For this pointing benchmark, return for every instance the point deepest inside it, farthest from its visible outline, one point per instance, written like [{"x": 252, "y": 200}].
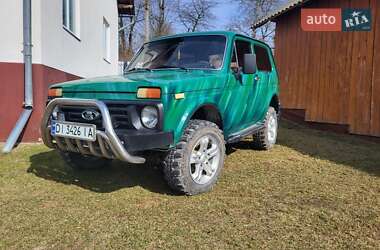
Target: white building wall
[
  {"x": 84, "y": 56},
  {"x": 11, "y": 31},
  {"x": 55, "y": 47}
]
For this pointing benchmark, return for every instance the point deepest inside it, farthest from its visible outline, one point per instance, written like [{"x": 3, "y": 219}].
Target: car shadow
[
  {"x": 341, "y": 149},
  {"x": 115, "y": 176},
  {"x": 350, "y": 150}
]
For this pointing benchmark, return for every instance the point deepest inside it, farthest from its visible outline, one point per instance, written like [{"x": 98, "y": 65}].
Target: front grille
[
  {"x": 121, "y": 118},
  {"x": 118, "y": 112},
  {"x": 74, "y": 114}
]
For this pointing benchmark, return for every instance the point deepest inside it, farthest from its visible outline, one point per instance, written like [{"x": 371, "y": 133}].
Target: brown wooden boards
[
  {"x": 361, "y": 78},
  {"x": 331, "y": 75},
  {"x": 375, "y": 104}
]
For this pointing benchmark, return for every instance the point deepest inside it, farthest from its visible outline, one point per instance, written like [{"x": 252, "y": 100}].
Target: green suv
[{"x": 185, "y": 96}]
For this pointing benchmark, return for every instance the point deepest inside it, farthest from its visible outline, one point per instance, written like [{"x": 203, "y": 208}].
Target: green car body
[
  {"x": 182, "y": 96},
  {"x": 239, "y": 103}
]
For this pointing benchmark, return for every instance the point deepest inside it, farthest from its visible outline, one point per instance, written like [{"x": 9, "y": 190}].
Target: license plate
[{"x": 72, "y": 130}]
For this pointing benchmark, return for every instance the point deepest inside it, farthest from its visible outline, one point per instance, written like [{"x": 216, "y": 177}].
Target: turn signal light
[
  {"x": 149, "y": 93},
  {"x": 55, "y": 92}
]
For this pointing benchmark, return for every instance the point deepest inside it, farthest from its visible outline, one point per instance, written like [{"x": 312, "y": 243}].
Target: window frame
[
  {"x": 71, "y": 17},
  {"x": 269, "y": 55},
  {"x": 106, "y": 40},
  {"x": 236, "y": 52}
]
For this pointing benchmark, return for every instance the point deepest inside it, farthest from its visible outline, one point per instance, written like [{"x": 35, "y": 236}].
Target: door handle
[{"x": 256, "y": 78}]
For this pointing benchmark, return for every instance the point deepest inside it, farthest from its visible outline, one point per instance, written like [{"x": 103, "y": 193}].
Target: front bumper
[
  {"x": 145, "y": 139},
  {"x": 109, "y": 143}
]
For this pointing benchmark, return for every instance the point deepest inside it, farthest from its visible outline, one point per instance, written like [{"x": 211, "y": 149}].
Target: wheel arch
[
  {"x": 275, "y": 103},
  {"x": 205, "y": 111},
  {"x": 208, "y": 112}
]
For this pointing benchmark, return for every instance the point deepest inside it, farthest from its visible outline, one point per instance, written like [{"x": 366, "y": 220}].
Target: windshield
[{"x": 192, "y": 52}]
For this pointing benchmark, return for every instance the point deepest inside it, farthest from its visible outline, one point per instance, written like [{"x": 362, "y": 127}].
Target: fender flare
[{"x": 191, "y": 114}]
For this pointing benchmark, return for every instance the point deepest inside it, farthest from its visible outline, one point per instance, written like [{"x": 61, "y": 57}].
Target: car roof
[{"x": 229, "y": 34}]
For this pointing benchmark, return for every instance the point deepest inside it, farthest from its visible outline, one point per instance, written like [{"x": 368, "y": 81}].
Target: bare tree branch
[
  {"x": 195, "y": 15},
  {"x": 250, "y": 12},
  {"x": 162, "y": 13}
]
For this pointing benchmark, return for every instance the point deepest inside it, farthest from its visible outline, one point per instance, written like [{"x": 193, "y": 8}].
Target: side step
[{"x": 238, "y": 136}]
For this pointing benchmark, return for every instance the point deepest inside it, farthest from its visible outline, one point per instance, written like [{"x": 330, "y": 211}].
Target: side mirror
[{"x": 249, "y": 64}]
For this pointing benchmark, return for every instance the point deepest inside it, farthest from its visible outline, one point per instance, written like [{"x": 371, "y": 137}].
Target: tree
[
  {"x": 128, "y": 26},
  {"x": 159, "y": 17},
  {"x": 123, "y": 54},
  {"x": 194, "y": 15},
  {"x": 250, "y": 12},
  {"x": 161, "y": 20},
  {"x": 147, "y": 8}
]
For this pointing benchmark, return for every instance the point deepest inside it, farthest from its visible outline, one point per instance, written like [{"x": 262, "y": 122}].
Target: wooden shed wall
[{"x": 333, "y": 76}]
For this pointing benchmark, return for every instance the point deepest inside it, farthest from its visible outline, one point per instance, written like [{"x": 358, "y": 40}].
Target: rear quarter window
[{"x": 262, "y": 58}]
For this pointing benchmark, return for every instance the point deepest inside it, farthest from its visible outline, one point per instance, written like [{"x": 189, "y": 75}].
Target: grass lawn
[{"x": 313, "y": 190}]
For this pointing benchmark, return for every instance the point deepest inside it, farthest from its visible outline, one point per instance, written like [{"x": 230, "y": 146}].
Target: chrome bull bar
[{"x": 107, "y": 143}]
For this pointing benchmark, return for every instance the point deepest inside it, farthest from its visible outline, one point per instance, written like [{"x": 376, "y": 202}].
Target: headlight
[{"x": 149, "y": 116}]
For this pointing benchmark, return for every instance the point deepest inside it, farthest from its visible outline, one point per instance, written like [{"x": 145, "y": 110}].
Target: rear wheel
[
  {"x": 79, "y": 161},
  {"x": 194, "y": 165},
  {"x": 266, "y": 138}
]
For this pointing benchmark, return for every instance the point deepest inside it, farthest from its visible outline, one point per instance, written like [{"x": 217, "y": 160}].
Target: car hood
[{"x": 172, "y": 81}]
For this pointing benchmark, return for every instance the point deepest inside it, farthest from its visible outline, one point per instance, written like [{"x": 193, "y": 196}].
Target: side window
[
  {"x": 262, "y": 58},
  {"x": 242, "y": 47},
  {"x": 234, "y": 64}
]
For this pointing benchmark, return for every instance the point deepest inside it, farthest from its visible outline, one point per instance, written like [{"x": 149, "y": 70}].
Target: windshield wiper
[
  {"x": 137, "y": 69},
  {"x": 171, "y": 67}
]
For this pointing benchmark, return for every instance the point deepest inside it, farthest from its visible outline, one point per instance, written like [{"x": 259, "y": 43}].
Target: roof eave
[{"x": 284, "y": 9}]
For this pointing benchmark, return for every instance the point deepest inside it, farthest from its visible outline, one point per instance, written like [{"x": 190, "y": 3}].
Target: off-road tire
[
  {"x": 81, "y": 162},
  {"x": 176, "y": 164},
  {"x": 261, "y": 138}
]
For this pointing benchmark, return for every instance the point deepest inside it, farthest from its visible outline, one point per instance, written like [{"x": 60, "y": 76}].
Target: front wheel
[
  {"x": 266, "y": 138},
  {"x": 194, "y": 165}
]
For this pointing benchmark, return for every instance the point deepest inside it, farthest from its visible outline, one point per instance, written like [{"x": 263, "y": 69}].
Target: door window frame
[
  {"x": 269, "y": 54},
  {"x": 236, "y": 52}
]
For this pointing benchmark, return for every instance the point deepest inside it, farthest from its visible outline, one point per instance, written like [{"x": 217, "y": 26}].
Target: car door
[
  {"x": 262, "y": 77},
  {"x": 244, "y": 89}
]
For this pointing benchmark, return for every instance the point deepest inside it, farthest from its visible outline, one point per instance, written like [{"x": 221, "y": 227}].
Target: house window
[
  {"x": 262, "y": 58},
  {"x": 70, "y": 16},
  {"x": 106, "y": 41}
]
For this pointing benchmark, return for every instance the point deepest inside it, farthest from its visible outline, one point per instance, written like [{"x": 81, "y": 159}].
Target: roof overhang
[
  {"x": 292, "y": 4},
  {"x": 126, "y": 7}
]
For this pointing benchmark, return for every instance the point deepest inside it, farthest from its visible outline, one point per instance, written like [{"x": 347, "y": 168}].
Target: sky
[{"x": 223, "y": 12}]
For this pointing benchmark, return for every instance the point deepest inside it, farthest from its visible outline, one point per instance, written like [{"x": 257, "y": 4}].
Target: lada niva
[{"x": 185, "y": 96}]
